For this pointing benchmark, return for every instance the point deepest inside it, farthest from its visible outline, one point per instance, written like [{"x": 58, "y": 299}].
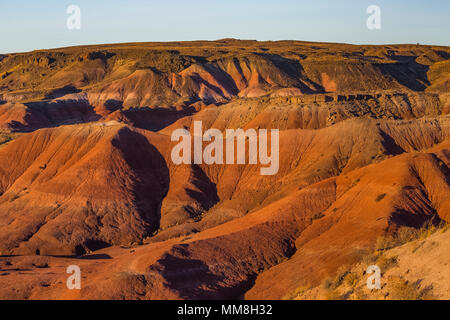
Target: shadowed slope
[
  {"x": 72, "y": 189},
  {"x": 298, "y": 239},
  {"x": 196, "y": 74},
  {"x": 364, "y": 150}
]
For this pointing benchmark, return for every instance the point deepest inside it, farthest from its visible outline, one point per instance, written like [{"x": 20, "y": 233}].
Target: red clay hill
[{"x": 86, "y": 175}]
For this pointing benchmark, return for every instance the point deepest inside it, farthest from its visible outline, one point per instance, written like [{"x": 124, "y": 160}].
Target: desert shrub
[
  {"x": 332, "y": 283},
  {"x": 14, "y": 198},
  {"x": 445, "y": 227},
  {"x": 408, "y": 234},
  {"x": 380, "y": 197},
  {"x": 386, "y": 263},
  {"x": 385, "y": 243},
  {"x": 369, "y": 258},
  {"x": 427, "y": 230},
  {"x": 405, "y": 235},
  {"x": 297, "y": 292},
  {"x": 317, "y": 215},
  {"x": 401, "y": 289},
  {"x": 342, "y": 272},
  {"x": 351, "y": 279},
  {"x": 328, "y": 283},
  {"x": 6, "y": 137}
]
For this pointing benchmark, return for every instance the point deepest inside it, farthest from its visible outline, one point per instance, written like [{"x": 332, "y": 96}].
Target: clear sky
[{"x": 37, "y": 24}]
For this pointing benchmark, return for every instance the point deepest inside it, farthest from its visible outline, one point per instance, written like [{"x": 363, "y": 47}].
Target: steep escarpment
[{"x": 178, "y": 76}]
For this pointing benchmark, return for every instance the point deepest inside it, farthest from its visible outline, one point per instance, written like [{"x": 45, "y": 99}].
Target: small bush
[
  {"x": 380, "y": 197},
  {"x": 405, "y": 235},
  {"x": 385, "y": 243},
  {"x": 403, "y": 290},
  {"x": 427, "y": 230},
  {"x": 386, "y": 263},
  {"x": 297, "y": 292},
  {"x": 408, "y": 234},
  {"x": 328, "y": 283},
  {"x": 342, "y": 272},
  {"x": 369, "y": 259},
  {"x": 445, "y": 228},
  {"x": 14, "y": 198},
  {"x": 317, "y": 215},
  {"x": 333, "y": 283},
  {"x": 6, "y": 137}
]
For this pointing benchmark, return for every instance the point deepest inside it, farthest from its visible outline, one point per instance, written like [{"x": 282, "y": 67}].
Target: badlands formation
[{"x": 87, "y": 179}]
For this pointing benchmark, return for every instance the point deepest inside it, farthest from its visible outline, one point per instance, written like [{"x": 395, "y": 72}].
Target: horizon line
[{"x": 221, "y": 39}]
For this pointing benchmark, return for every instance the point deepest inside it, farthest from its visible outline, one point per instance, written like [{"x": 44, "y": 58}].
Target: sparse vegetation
[
  {"x": 328, "y": 284},
  {"x": 403, "y": 290},
  {"x": 333, "y": 283},
  {"x": 386, "y": 263},
  {"x": 297, "y": 292},
  {"x": 14, "y": 198},
  {"x": 302, "y": 89},
  {"x": 407, "y": 234},
  {"x": 349, "y": 281},
  {"x": 6, "y": 137},
  {"x": 352, "y": 279},
  {"x": 186, "y": 238},
  {"x": 384, "y": 243},
  {"x": 380, "y": 197},
  {"x": 317, "y": 215}
]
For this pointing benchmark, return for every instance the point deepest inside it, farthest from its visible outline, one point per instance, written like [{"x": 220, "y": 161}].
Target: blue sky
[{"x": 32, "y": 24}]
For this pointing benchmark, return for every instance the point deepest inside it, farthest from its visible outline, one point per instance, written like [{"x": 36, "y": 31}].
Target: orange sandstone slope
[
  {"x": 364, "y": 150},
  {"x": 131, "y": 81},
  {"x": 407, "y": 190},
  {"x": 76, "y": 188},
  {"x": 298, "y": 239},
  {"x": 59, "y": 200}
]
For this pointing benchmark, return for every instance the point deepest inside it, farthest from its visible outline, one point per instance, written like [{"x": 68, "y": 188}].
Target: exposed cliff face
[{"x": 175, "y": 75}]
